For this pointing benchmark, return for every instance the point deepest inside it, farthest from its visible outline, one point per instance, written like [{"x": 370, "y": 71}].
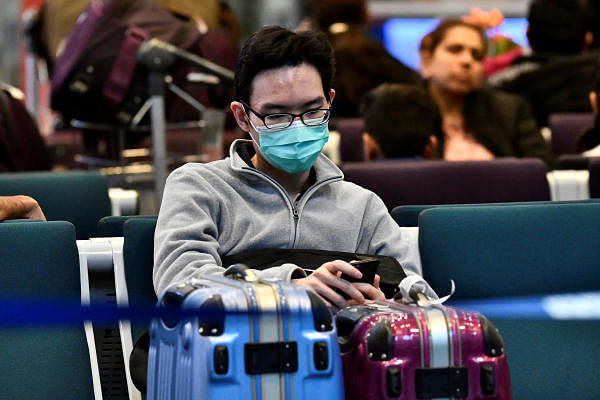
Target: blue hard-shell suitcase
[{"x": 250, "y": 339}]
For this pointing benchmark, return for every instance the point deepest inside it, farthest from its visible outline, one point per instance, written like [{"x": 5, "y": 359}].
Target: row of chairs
[
  {"x": 82, "y": 197},
  {"x": 565, "y": 129},
  {"x": 490, "y": 251},
  {"x": 441, "y": 182}
]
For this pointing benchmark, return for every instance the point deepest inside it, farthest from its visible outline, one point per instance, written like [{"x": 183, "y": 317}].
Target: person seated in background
[
  {"x": 361, "y": 63},
  {"x": 557, "y": 75},
  {"x": 401, "y": 122},
  {"x": 22, "y": 147},
  {"x": 20, "y": 207},
  {"x": 589, "y": 142},
  {"x": 277, "y": 191},
  {"x": 478, "y": 123}
]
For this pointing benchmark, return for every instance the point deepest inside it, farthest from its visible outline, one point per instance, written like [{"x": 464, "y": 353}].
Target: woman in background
[{"x": 478, "y": 123}]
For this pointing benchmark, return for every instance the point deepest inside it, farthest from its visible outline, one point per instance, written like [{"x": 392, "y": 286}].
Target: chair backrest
[
  {"x": 138, "y": 256},
  {"x": 496, "y": 251},
  {"x": 112, "y": 226},
  {"x": 351, "y": 144},
  {"x": 409, "y": 215},
  {"x": 79, "y": 197},
  {"x": 566, "y": 128},
  {"x": 39, "y": 261},
  {"x": 443, "y": 182},
  {"x": 572, "y": 161}
]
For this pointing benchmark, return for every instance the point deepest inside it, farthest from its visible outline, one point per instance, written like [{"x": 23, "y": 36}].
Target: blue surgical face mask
[{"x": 295, "y": 148}]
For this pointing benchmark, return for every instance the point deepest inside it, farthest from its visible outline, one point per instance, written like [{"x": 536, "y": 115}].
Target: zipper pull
[{"x": 295, "y": 209}]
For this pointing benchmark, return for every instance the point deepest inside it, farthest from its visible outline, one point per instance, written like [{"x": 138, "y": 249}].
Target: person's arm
[
  {"x": 17, "y": 207},
  {"x": 381, "y": 235},
  {"x": 527, "y": 137},
  {"x": 185, "y": 240}
]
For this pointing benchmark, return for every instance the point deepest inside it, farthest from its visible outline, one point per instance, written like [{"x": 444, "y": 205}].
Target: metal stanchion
[
  {"x": 159, "y": 141},
  {"x": 157, "y": 57}
]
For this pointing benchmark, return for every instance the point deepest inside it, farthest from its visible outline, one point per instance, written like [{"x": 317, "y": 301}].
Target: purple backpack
[{"x": 97, "y": 77}]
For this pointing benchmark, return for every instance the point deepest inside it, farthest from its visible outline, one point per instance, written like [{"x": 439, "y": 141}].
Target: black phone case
[{"x": 368, "y": 268}]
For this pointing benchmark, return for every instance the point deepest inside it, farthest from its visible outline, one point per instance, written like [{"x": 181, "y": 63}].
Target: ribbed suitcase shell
[
  {"x": 182, "y": 361},
  {"x": 391, "y": 351}
]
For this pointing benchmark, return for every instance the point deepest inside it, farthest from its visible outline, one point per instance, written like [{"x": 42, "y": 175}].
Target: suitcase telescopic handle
[{"x": 241, "y": 272}]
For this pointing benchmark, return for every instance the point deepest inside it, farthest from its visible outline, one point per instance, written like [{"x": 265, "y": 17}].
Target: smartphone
[{"x": 367, "y": 266}]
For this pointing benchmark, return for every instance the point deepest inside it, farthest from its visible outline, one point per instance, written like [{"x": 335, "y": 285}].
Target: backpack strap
[
  {"x": 389, "y": 269},
  {"x": 123, "y": 67}
]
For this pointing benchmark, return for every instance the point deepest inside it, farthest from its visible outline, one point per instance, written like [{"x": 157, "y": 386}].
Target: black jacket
[
  {"x": 550, "y": 83},
  {"x": 504, "y": 124}
]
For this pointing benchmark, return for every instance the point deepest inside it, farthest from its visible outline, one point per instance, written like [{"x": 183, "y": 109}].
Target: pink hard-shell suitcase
[{"x": 392, "y": 350}]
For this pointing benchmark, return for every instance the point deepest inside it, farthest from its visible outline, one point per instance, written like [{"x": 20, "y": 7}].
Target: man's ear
[
  {"x": 430, "y": 147},
  {"x": 594, "y": 102},
  {"x": 240, "y": 115},
  {"x": 371, "y": 149},
  {"x": 588, "y": 39},
  {"x": 331, "y": 95}
]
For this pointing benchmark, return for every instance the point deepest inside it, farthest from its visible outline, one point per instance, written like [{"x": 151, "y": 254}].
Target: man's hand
[
  {"x": 325, "y": 279},
  {"x": 15, "y": 207}
]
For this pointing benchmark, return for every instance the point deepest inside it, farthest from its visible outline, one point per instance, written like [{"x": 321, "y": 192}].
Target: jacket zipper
[{"x": 292, "y": 206}]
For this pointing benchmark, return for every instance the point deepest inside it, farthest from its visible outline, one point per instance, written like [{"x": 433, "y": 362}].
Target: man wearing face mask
[{"x": 277, "y": 191}]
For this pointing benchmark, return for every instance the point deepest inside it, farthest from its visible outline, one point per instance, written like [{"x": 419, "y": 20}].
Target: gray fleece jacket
[{"x": 226, "y": 206}]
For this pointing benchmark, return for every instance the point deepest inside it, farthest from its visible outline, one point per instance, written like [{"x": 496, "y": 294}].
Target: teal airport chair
[
  {"x": 39, "y": 263},
  {"x": 495, "y": 251},
  {"x": 409, "y": 215},
  {"x": 79, "y": 197},
  {"x": 107, "y": 285},
  {"x": 523, "y": 250},
  {"x": 126, "y": 279},
  {"x": 138, "y": 256},
  {"x": 112, "y": 226}
]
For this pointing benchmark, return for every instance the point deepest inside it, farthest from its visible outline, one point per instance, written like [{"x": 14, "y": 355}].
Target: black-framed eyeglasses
[{"x": 278, "y": 121}]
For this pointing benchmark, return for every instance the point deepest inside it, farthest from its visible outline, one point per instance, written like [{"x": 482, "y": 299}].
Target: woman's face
[{"x": 456, "y": 64}]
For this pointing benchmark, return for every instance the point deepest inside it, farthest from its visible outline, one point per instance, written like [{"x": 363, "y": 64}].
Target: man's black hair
[
  {"x": 276, "y": 47},
  {"x": 558, "y": 26},
  {"x": 401, "y": 118}
]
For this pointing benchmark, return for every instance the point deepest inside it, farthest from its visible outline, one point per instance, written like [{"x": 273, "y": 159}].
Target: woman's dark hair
[
  {"x": 401, "y": 118},
  {"x": 275, "y": 47},
  {"x": 435, "y": 37}
]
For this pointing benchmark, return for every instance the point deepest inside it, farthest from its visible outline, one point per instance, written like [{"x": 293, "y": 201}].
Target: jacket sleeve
[
  {"x": 381, "y": 235},
  {"x": 185, "y": 243}
]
